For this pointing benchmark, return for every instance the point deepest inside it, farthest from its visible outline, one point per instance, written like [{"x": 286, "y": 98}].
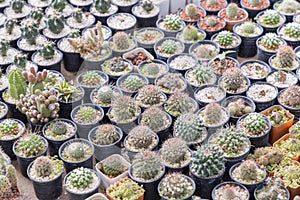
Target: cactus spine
[
  {"x": 133, "y": 83},
  {"x": 155, "y": 118},
  {"x": 168, "y": 46},
  {"x": 286, "y": 57},
  {"x": 140, "y": 137}
]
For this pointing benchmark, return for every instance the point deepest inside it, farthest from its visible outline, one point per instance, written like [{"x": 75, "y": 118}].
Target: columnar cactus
[
  {"x": 35, "y": 79},
  {"x": 77, "y": 14},
  {"x": 55, "y": 23},
  {"x": 43, "y": 167},
  {"x": 270, "y": 41},
  {"x": 285, "y": 56},
  {"x": 80, "y": 178},
  {"x": 10, "y": 25},
  {"x": 178, "y": 103},
  {"x": 140, "y": 137},
  {"x": 155, "y": 118},
  {"x": 208, "y": 161},
  {"x": 59, "y": 5},
  {"x": 168, "y": 46},
  {"x": 191, "y": 10},
  {"x": 172, "y": 22},
  {"x": 30, "y": 32},
  {"x": 232, "y": 10},
  {"x": 188, "y": 127},
  {"x": 255, "y": 123},
  {"x": 47, "y": 51},
  {"x": 17, "y": 5},
  {"x": 37, "y": 15},
  {"x": 20, "y": 60},
  {"x": 92, "y": 79},
  {"x": 147, "y": 5},
  {"x": 102, "y": 6},
  {"x": 233, "y": 79},
  {"x": 106, "y": 134},
  {"x": 30, "y": 145},
  {"x": 133, "y": 83},
  {"x": 17, "y": 83},
  {"x": 290, "y": 97},
  {"x": 112, "y": 166},
  {"x": 9, "y": 127},
  {"x": 150, "y": 95},
  {"x": 191, "y": 33},
  {"x": 59, "y": 127},
  {"x": 121, "y": 40},
  {"x": 292, "y": 29},
  {"x": 4, "y": 45},
  {"x": 224, "y": 38},
  {"x": 211, "y": 21},
  {"x": 270, "y": 17},
  {"x": 146, "y": 165}
]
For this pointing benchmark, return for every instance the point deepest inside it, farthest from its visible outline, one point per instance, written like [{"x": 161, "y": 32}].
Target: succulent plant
[
  {"x": 106, "y": 134},
  {"x": 238, "y": 108},
  {"x": 155, "y": 118},
  {"x": 17, "y": 83},
  {"x": 189, "y": 127},
  {"x": 269, "y": 18},
  {"x": 4, "y": 161},
  {"x": 211, "y": 21},
  {"x": 178, "y": 104},
  {"x": 248, "y": 171},
  {"x": 175, "y": 152},
  {"x": 267, "y": 157},
  {"x": 105, "y": 94},
  {"x": 270, "y": 41},
  {"x": 171, "y": 82},
  {"x": 66, "y": 91},
  {"x": 17, "y": 5},
  {"x": 224, "y": 38},
  {"x": 30, "y": 32},
  {"x": 112, "y": 166},
  {"x": 191, "y": 33},
  {"x": 172, "y": 22},
  {"x": 285, "y": 57},
  {"x": 115, "y": 65},
  {"x": 86, "y": 115},
  {"x": 11, "y": 174},
  {"x": 80, "y": 178},
  {"x": 147, "y": 5},
  {"x": 58, "y": 127},
  {"x": 292, "y": 29},
  {"x": 92, "y": 79},
  {"x": 202, "y": 74},
  {"x": 6, "y": 190},
  {"x": 76, "y": 150},
  {"x": 232, "y": 10},
  {"x": 20, "y": 60},
  {"x": 255, "y": 123},
  {"x": 208, "y": 161},
  {"x": 168, "y": 46},
  {"x": 4, "y": 45},
  {"x": 212, "y": 114},
  {"x": 211, "y": 2},
  {"x": 35, "y": 79},
  {"x": 47, "y": 50},
  {"x": 55, "y": 23},
  {"x": 254, "y": 2},
  {"x": 133, "y": 83},
  {"x": 58, "y": 5},
  {"x": 288, "y": 6},
  {"x": 37, "y": 15},
  {"x": 150, "y": 95},
  {"x": 10, "y": 25},
  {"x": 146, "y": 166},
  {"x": 74, "y": 33},
  {"x": 9, "y": 127},
  {"x": 43, "y": 166},
  {"x": 233, "y": 79},
  {"x": 271, "y": 189},
  {"x": 190, "y": 10},
  {"x": 77, "y": 14},
  {"x": 176, "y": 186},
  {"x": 248, "y": 28},
  {"x": 30, "y": 145},
  {"x": 121, "y": 41},
  {"x": 102, "y": 6},
  {"x": 140, "y": 137}
]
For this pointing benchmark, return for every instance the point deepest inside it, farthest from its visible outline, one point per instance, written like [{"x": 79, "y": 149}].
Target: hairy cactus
[
  {"x": 190, "y": 10},
  {"x": 172, "y": 22},
  {"x": 102, "y": 6},
  {"x": 17, "y": 5},
  {"x": 147, "y": 5},
  {"x": 30, "y": 32},
  {"x": 4, "y": 45},
  {"x": 133, "y": 83},
  {"x": 80, "y": 178},
  {"x": 224, "y": 38},
  {"x": 59, "y": 5},
  {"x": 211, "y": 21},
  {"x": 11, "y": 174},
  {"x": 211, "y": 2},
  {"x": 292, "y": 29},
  {"x": 112, "y": 166},
  {"x": 10, "y": 25},
  {"x": 175, "y": 152},
  {"x": 191, "y": 33},
  {"x": 106, "y": 134},
  {"x": 30, "y": 145},
  {"x": 178, "y": 103},
  {"x": 168, "y": 46},
  {"x": 9, "y": 127},
  {"x": 255, "y": 123},
  {"x": 20, "y": 60},
  {"x": 17, "y": 83},
  {"x": 254, "y": 2},
  {"x": 146, "y": 165},
  {"x": 212, "y": 114},
  {"x": 248, "y": 28},
  {"x": 47, "y": 51},
  {"x": 43, "y": 166},
  {"x": 238, "y": 108},
  {"x": 35, "y": 79},
  {"x": 208, "y": 161},
  {"x": 37, "y": 15},
  {"x": 5, "y": 187},
  {"x": 270, "y": 41},
  {"x": 285, "y": 57},
  {"x": 141, "y": 137},
  {"x": 59, "y": 127},
  {"x": 55, "y": 23},
  {"x": 175, "y": 186},
  {"x": 248, "y": 171},
  {"x": 121, "y": 40},
  {"x": 232, "y": 10},
  {"x": 233, "y": 79},
  {"x": 289, "y": 6},
  {"x": 123, "y": 109},
  {"x": 92, "y": 79},
  {"x": 290, "y": 97},
  {"x": 86, "y": 114},
  {"x": 270, "y": 17},
  {"x": 4, "y": 161},
  {"x": 74, "y": 33},
  {"x": 171, "y": 82},
  {"x": 150, "y": 95},
  {"x": 77, "y": 14},
  {"x": 189, "y": 127},
  {"x": 155, "y": 118},
  {"x": 202, "y": 74}
]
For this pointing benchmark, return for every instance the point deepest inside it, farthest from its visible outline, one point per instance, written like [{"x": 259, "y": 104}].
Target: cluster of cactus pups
[
  {"x": 290, "y": 97},
  {"x": 106, "y": 134},
  {"x": 267, "y": 156},
  {"x": 269, "y": 18},
  {"x": 172, "y": 22},
  {"x": 238, "y": 108},
  {"x": 140, "y": 137},
  {"x": 35, "y": 79},
  {"x": 224, "y": 38},
  {"x": 30, "y": 145},
  {"x": 112, "y": 167},
  {"x": 254, "y": 124},
  {"x": 80, "y": 178},
  {"x": 132, "y": 83},
  {"x": 92, "y": 79},
  {"x": 155, "y": 118},
  {"x": 87, "y": 115},
  {"x": 102, "y": 6}
]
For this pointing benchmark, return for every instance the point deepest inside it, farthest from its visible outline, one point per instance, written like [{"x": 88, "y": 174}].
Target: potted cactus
[
  {"x": 146, "y": 37},
  {"x": 254, "y": 6},
  {"x": 150, "y": 95},
  {"x": 289, "y": 100},
  {"x": 152, "y": 69},
  {"x": 212, "y": 7},
  {"x": 112, "y": 169},
  {"x": 255, "y": 70},
  {"x": 230, "y": 190},
  {"x": 171, "y": 24},
  {"x": 20, "y": 61},
  {"x": 27, "y": 148},
  {"x": 102, "y": 9},
  {"x": 3, "y": 110},
  {"x": 204, "y": 50},
  {"x": 76, "y": 153},
  {"x": 9, "y": 182},
  {"x": 121, "y": 22},
  {"x": 18, "y": 9},
  {"x": 288, "y": 8},
  {"x": 81, "y": 183},
  {"x": 272, "y": 188},
  {"x": 207, "y": 168},
  {"x": 45, "y": 174},
  {"x": 290, "y": 32},
  {"x": 11, "y": 32},
  {"x": 191, "y": 13},
  {"x": 181, "y": 62},
  {"x": 80, "y": 19},
  {"x": 56, "y": 27},
  {"x": 61, "y": 7},
  {"x": 176, "y": 186},
  {"x": 36, "y": 16},
  {"x": 209, "y": 94},
  {"x": 131, "y": 83},
  {"x": 170, "y": 83},
  {"x": 189, "y": 35},
  {"x": 121, "y": 42},
  {"x": 116, "y": 67},
  {"x": 199, "y": 76},
  {"x": 139, "y": 138},
  {"x": 57, "y": 132},
  {"x": 167, "y": 47},
  {"x": 146, "y": 13},
  {"x": 270, "y": 20},
  {"x": 147, "y": 170},
  {"x": 106, "y": 139},
  {"x": 289, "y": 145},
  {"x": 284, "y": 59},
  {"x": 211, "y": 24}
]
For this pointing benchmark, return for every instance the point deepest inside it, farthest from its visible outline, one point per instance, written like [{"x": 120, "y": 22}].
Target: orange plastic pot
[
  {"x": 279, "y": 131},
  {"x": 285, "y": 137},
  {"x": 293, "y": 191}
]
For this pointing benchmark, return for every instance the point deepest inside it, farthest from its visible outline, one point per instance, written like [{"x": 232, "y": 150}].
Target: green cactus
[
  {"x": 58, "y": 127},
  {"x": 233, "y": 79},
  {"x": 11, "y": 174},
  {"x": 147, "y": 5},
  {"x": 175, "y": 186},
  {"x": 285, "y": 57},
  {"x": 80, "y": 178},
  {"x": 5, "y": 187},
  {"x": 106, "y": 134},
  {"x": 232, "y": 10},
  {"x": 20, "y": 60},
  {"x": 271, "y": 189},
  {"x": 172, "y": 22},
  {"x": 168, "y": 46},
  {"x": 224, "y": 38},
  {"x": 35, "y": 79},
  {"x": 267, "y": 157},
  {"x": 77, "y": 14},
  {"x": 269, "y": 18},
  {"x": 189, "y": 127},
  {"x": 4, "y": 45},
  {"x": 43, "y": 167},
  {"x": 208, "y": 161},
  {"x": 102, "y": 6},
  {"x": 92, "y": 79},
  {"x": 247, "y": 28},
  {"x": 155, "y": 118},
  {"x": 17, "y": 5},
  {"x": 4, "y": 161},
  {"x": 116, "y": 64},
  {"x": 10, "y": 25},
  {"x": 211, "y": 21},
  {"x": 292, "y": 29},
  {"x": 112, "y": 166},
  {"x": 37, "y": 14},
  {"x": 270, "y": 41},
  {"x": 47, "y": 50},
  {"x": 254, "y": 2},
  {"x": 175, "y": 152},
  {"x": 55, "y": 23},
  {"x": 74, "y": 33},
  {"x": 59, "y": 5},
  {"x": 290, "y": 97},
  {"x": 9, "y": 127},
  {"x": 150, "y": 95},
  {"x": 105, "y": 94},
  {"x": 248, "y": 171},
  {"x": 211, "y": 2},
  {"x": 212, "y": 114},
  {"x": 66, "y": 91},
  {"x": 133, "y": 83},
  {"x": 30, "y": 32},
  {"x": 178, "y": 104},
  {"x": 140, "y": 137},
  {"x": 255, "y": 123},
  {"x": 17, "y": 83},
  {"x": 30, "y": 145},
  {"x": 76, "y": 150},
  {"x": 171, "y": 82},
  {"x": 191, "y": 10},
  {"x": 202, "y": 74},
  {"x": 121, "y": 41},
  {"x": 191, "y": 33},
  {"x": 146, "y": 166},
  {"x": 85, "y": 114}
]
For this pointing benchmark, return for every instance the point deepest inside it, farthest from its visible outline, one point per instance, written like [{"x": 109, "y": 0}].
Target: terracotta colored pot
[{"x": 285, "y": 137}]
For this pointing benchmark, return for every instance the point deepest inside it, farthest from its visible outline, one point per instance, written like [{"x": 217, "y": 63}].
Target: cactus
[
  {"x": 191, "y": 33},
  {"x": 267, "y": 156},
  {"x": 191, "y": 10},
  {"x": 66, "y": 91},
  {"x": 116, "y": 64},
  {"x": 270, "y": 41},
  {"x": 102, "y": 6},
  {"x": 74, "y": 33},
  {"x": 289, "y": 6},
  {"x": 248, "y": 28},
  {"x": 86, "y": 115},
  {"x": 232, "y": 10},
  {"x": 248, "y": 171},
  {"x": 10, "y": 25},
  {"x": 238, "y": 108},
  {"x": 155, "y": 118},
  {"x": 150, "y": 95},
  {"x": 211, "y": 21},
  {"x": 224, "y": 38},
  {"x": 212, "y": 114},
  {"x": 105, "y": 94},
  {"x": 20, "y": 60},
  {"x": 171, "y": 82},
  {"x": 43, "y": 167},
  {"x": 9, "y": 127},
  {"x": 233, "y": 79},
  {"x": 106, "y": 134},
  {"x": 269, "y": 17},
  {"x": 271, "y": 189},
  {"x": 147, "y": 5},
  {"x": 211, "y": 2},
  {"x": 77, "y": 14},
  {"x": 55, "y": 23},
  {"x": 207, "y": 161},
  {"x": 146, "y": 166},
  {"x": 123, "y": 109},
  {"x": 178, "y": 104},
  {"x": 59, "y": 5},
  {"x": 202, "y": 74},
  {"x": 92, "y": 79},
  {"x": 11, "y": 174},
  {"x": 189, "y": 127},
  {"x": 290, "y": 97},
  {"x": 254, "y": 2},
  {"x": 35, "y": 79},
  {"x": 4, "y": 161},
  {"x": 37, "y": 14},
  {"x": 121, "y": 41},
  {"x": 255, "y": 123},
  {"x": 58, "y": 127},
  {"x": 133, "y": 83},
  {"x": 5, "y": 187},
  {"x": 17, "y": 5},
  {"x": 80, "y": 178},
  {"x": 17, "y": 83},
  {"x": 292, "y": 29},
  {"x": 30, "y": 32},
  {"x": 168, "y": 46},
  {"x": 112, "y": 167},
  {"x": 175, "y": 152},
  {"x": 47, "y": 50},
  {"x": 76, "y": 150},
  {"x": 285, "y": 57},
  {"x": 172, "y": 22},
  {"x": 4, "y": 45},
  {"x": 140, "y": 137},
  {"x": 30, "y": 145}
]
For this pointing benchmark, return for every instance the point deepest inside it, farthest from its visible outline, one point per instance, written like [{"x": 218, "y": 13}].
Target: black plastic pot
[
  {"x": 261, "y": 187},
  {"x": 229, "y": 183},
  {"x": 69, "y": 165},
  {"x": 47, "y": 190},
  {"x": 202, "y": 103},
  {"x": 247, "y": 47},
  {"x": 263, "y": 54},
  {"x": 254, "y": 80},
  {"x": 270, "y": 29},
  {"x": 53, "y": 66},
  {"x": 102, "y": 17},
  {"x": 145, "y": 21},
  {"x": 294, "y": 111},
  {"x": 24, "y": 162}
]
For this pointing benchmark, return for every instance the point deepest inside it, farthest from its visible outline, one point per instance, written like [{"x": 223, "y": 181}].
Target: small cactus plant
[
  {"x": 171, "y": 82},
  {"x": 132, "y": 83},
  {"x": 30, "y": 32},
  {"x": 248, "y": 28},
  {"x": 150, "y": 95},
  {"x": 224, "y": 38},
  {"x": 47, "y": 50},
  {"x": 290, "y": 97},
  {"x": 30, "y": 145},
  {"x": 271, "y": 189},
  {"x": 87, "y": 115},
  {"x": 92, "y": 79},
  {"x": 211, "y": 2},
  {"x": 285, "y": 58},
  {"x": 248, "y": 172},
  {"x": 191, "y": 10},
  {"x": 179, "y": 103},
  {"x": 267, "y": 157},
  {"x": 20, "y": 60},
  {"x": 292, "y": 29},
  {"x": 55, "y": 23},
  {"x": 155, "y": 118},
  {"x": 43, "y": 167},
  {"x": 212, "y": 114},
  {"x": 74, "y": 33},
  {"x": 106, "y": 134},
  {"x": 105, "y": 94},
  {"x": 232, "y": 10},
  {"x": 168, "y": 46},
  {"x": 122, "y": 41},
  {"x": 116, "y": 65},
  {"x": 102, "y": 6},
  {"x": 191, "y": 33},
  {"x": 238, "y": 108},
  {"x": 10, "y": 25},
  {"x": 11, "y": 174},
  {"x": 17, "y": 5},
  {"x": 77, "y": 14},
  {"x": 254, "y": 2},
  {"x": 4, "y": 45},
  {"x": 233, "y": 79},
  {"x": 17, "y": 83},
  {"x": 76, "y": 150},
  {"x": 140, "y": 137},
  {"x": 172, "y": 22},
  {"x": 80, "y": 178},
  {"x": 254, "y": 124},
  {"x": 59, "y": 127},
  {"x": 269, "y": 18},
  {"x": 37, "y": 15},
  {"x": 202, "y": 74},
  {"x": 6, "y": 190},
  {"x": 211, "y": 21},
  {"x": 270, "y": 41},
  {"x": 9, "y": 127},
  {"x": 58, "y": 5},
  {"x": 147, "y": 5},
  {"x": 112, "y": 167}
]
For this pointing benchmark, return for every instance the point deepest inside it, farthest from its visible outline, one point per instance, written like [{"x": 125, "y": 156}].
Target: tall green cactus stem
[
  {"x": 102, "y": 6},
  {"x": 17, "y": 83},
  {"x": 17, "y": 5},
  {"x": 133, "y": 83},
  {"x": 174, "y": 152},
  {"x": 146, "y": 165},
  {"x": 150, "y": 95},
  {"x": 3, "y": 47},
  {"x": 286, "y": 57},
  {"x": 55, "y": 23},
  {"x": 59, "y": 127},
  {"x": 47, "y": 51},
  {"x": 35, "y": 79},
  {"x": 147, "y": 5},
  {"x": 11, "y": 174},
  {"x": 106, "y": 134},
  {"x": 30, "y": 32},
  {"x": 43, "y": 167},
  {"x": 59, "y": 5},
  {"x": 140, "y": 137},
  {"x": 168, "y": 46},
  {"x": 77, "y": 14},
  {"x": 121, "y": 40},
  {"x": 191, "y": 10},
  {"x": 292, "y": 29},
  {"x": 212, "y": 114},
  {"x": 112, "y": 166},
  {"x": 20, "y": 60},
  {"x": 76, "y": 150},
  {"x": 74, "y": 33},
  {"x": 10, "y": 25},
  {"x": 224, "y": 38},
  {"x": 155, "y": 118},
  {"x": 4, "y": 161},
  {"x": 37, "y": 14},
  {"x": 172, "y": 22},
  {"x": 232, "y": 10}
]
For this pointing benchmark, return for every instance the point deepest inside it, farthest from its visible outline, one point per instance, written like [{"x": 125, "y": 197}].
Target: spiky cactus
[
  {"x": 121, "y": 41},
  {"x": 80, "y": 178},
  {"x": 155, "y": 118},
  {"x": 147, "y": 5},
  {"x": 30, "y": 32},
  {"x": 178, "y": 104},
  {"x": 4, "y": 161},
  {"x": 174, "y": 152},
  {"x": 285, "y": 57},
  {"x": 212, "y": 114},
  {"x": 76, "y": 150},
  {"x": 17, "y": 5},
  {"x": 270, "y": 18},
  {"x": 20, "y": 60},
  {"x": 5, "y": 187},
  {"x": 255, "y": 123},
  {"x": 233, "y": 79},
  {"x": 191, "y": 33},
  {"x": 208, "y": 161},
  {"x": 77, "y": 14},
  {"x": 232, "y": 10},
  {"x": 191, "y": 10},
  {"x": 55, "y": 23},
  {"x": 175, "y": 186},
  {"x": 189, "y": 127},
  {"x": 35, "y": 79},
  {"x": 168, "y": 46},
  {"x": 30, "y": 145},
  {"x": 172, "y": 22},
  {"x": 150, "y": 95},
  {"x": 74, "y": 33},
  {"x": 133, "y": 83},
  {"x": 11, "y": 174},
  {"x": 211, "y": 2},
  {"x": 146, "y": 165},
  {"x": 106, "y": 134},
  {"x": 112, "y": 166},
  {"x": 105, "y": 94},
  {"x": 92, "y": 79},
  {"x": 270, "y": 41},
  {"x": 140, "y": 137},
  {"x": 9, "y": 127},
  {"x": 248, "y": 171},
  {"x": 86, "y": 114},
  {"x": 248, "y": 28},
  {"x": 47, "y": 50},
  {"x": 116, "y": 64},
  {"x": 224, "y": 38},
  {"x": 59, "y": 5},
  {"x": 171, "y": 82},
  {"x": 43, "y": 166},
  {"x": 292, "y": 29},
  {"x": 211, "y": 21},
  {"x": 37, "y": 15},
  {"x": 10, "y": 25},
  {"x": 102, "y": 6},
  {"x": 4, "y": 45},
  {"x": 290, "y": 97},
  {"x": 202, "y": 74},
  {"x": 59, "y": 127},
  {"x": 17, "y": 83}
]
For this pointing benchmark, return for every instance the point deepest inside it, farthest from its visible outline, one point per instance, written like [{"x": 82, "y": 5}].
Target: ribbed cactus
[
  {"x": 189, "y": 127},
  {"x": 37, "y": 15},
  {"x": 17, "y": 5},
  {"x": 254, "y": 2},
  {"x": 112, "y": 166},
  {"x": 211, "y": 21},
  {"x": 155, "y": 118},
  {"x": 290, "y": 97},
  {"x": 59, "y": 127},
  {"x": 106, "y": 134},
  {"x": 43, "y": 166},
  {"x": 175, "y": 186},
  {"x": 140, "y": 137},
  {"x": 11, "y": 174},
  {"x": 59, "y": 5},
  {"x": 85, "y": 114},
  {"x": 233, "y": 79},
  {"x": 191, "y": 10},
  {"x": 248, "y": 171},
  {"x": 208, "y": 161},
  {"x": 292, "y": 29},
  {"x": 121, "y": 40},
  {"x": 4, "y": 45},
  {"x": 168, "y": 46},
  {"x": 172, "y": 22},
  {"x": 30, "y": 32},
  {"x": 232, "y": 10},
  {"x": 174, "y": 152},
  {"x": 4, "y": 161},
  {"x": 224, "y": 38},
  {"x": 92, "y": 79},
  {"x": 35, "y": 79},
  {"x": 76, "y": 150},
  {"x": 30, "y": 145},
  {"x": 202, "y": 74},
  {"x": 269, "y": 17},
  {"x": 105, "y": 94},
  {"x": 191, "y": 33},
  {"x": 150, "y": 95},
  {"x": 178, "y": 104},
  {"x": 171, "y": 82},
  {"x": 47, "y": 50},
  {"x": 133, "y": 83},
  {"x": 146, "y": 165},
  {"x": 102, "y": 6},
  {"x": 80, "y": 178},
  {"x": 17, "y": 83},
  {"x": 9, "y": 127},
  {"x": 255, "y": 123},
  {"x": 20, "y": 60},
  {"x": 285, "y": 57},
  {"x": 270, "y": 41},
  {"x": 55, "y": 23},
  {"x": 212, "y": 114},
  {"x": 147, "y": 5},
  {"x": 77, "y": 14},
  {"x": 10, "y": 25}
]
